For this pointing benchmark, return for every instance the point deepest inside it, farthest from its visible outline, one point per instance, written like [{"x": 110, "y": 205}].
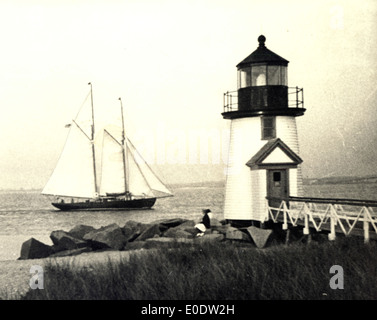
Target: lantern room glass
[
  {"x": 244, "y": 77},
  {"x": 274, "y": 76},
  {"x": 262, "y": 75},
  {"x": 258, "y": 75}
]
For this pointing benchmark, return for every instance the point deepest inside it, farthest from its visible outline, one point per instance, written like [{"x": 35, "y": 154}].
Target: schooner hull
[{"x": 118, "y": 204}]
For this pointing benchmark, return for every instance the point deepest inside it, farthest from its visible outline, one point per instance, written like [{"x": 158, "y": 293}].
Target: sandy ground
[{"x": 15, "y": 275}]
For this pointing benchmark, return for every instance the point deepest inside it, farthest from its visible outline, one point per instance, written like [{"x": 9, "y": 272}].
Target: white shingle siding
[
  {"x": 286, "y": 130},
  {"x": 259, "y": 193},
  {"x": 246, "y": 189},
  {"x": 245, "y": 141}
]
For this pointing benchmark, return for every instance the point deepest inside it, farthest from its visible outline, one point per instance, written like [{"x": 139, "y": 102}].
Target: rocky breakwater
[{"x": 135, "y": 235}]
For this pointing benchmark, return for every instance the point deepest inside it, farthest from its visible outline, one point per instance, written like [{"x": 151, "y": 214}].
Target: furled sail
[{"x": 73, "y": 175}]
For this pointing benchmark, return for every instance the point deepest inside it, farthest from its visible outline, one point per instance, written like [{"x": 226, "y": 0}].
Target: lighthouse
[{"x": 263, "y": 162}]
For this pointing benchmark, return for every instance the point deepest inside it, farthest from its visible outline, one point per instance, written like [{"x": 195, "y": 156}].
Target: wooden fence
[{"x": 347, "y": 216}]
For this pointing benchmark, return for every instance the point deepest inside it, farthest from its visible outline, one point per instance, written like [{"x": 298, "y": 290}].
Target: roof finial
[{"x": 261, "y": 40}]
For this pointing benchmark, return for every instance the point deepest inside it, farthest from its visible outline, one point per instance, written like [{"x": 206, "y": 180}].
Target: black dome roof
[{"x": 263, "y": 55}]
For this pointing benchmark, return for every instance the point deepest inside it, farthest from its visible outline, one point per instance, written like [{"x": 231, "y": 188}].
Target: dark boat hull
[{"x": 116, "y": 204}]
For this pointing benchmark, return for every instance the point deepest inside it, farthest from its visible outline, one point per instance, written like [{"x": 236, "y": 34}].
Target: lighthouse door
[{"x": 277, "y": 186}]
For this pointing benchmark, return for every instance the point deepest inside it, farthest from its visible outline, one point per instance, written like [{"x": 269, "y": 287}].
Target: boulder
[
  {"x": 80, "y": 231},
  {"x": 152, "y": 231},
  {"x": 110, "y": 236},
  {"x": 259, "y": 236},
  {"x": 191, "y": 230},
  {"x": 211, "y": 237},
  {"x": 166, "y": 242},
  {"x": 171, "y": 223},
  {"x": 133, "y": 229},
  {"x": 177, "y": 233},
  {"x": 188, "y": 226},
  {"x": 64, "y": 241},
  {"x": 34, "y": 249},
  {"x": 215, "y": 223},
  {"x": 223, "y": 228},
  {"x": 236, "y": 234}
]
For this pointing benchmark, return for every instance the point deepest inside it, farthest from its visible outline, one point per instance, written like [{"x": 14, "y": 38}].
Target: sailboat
[{"x": 102, "y": 170}]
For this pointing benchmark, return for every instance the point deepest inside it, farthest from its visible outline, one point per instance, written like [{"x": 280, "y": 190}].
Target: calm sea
[{"x": 26, "y": 214}]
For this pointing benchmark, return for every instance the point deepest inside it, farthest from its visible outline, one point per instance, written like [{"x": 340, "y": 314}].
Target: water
[{"x": 26, "y": 214}]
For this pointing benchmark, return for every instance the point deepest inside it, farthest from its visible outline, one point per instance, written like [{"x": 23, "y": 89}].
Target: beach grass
[{"x": 221, "y": 271}]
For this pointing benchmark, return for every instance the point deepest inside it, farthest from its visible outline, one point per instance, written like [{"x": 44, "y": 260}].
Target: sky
[{"x": 171, "y": 61}]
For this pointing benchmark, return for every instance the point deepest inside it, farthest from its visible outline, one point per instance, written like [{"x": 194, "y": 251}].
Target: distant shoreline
[{"x": 306, "y": 181}]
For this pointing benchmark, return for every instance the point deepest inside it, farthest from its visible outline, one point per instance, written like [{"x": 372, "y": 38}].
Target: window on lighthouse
[
  {"x": 268, "y": 125},
  {"x": 258, "y": 75},
  {"x": 244, "y": 78},
  {"x": 274, "y": 77},
  {"x": 277, "y": 75}
]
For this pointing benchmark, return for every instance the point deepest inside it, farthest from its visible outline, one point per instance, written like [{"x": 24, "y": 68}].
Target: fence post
[
  {"x": 366, "y": 226},
  {"x": 306, "y": 228},
  {"x": 285, "y": 224},
  {"x": 332, "y": 234}
]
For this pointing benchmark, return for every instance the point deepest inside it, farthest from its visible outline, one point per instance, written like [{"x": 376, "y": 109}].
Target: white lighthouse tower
[{"x": 263, "y": 160}]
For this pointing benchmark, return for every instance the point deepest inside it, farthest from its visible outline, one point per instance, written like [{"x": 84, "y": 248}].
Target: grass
[{"x": 222, "y": 271}]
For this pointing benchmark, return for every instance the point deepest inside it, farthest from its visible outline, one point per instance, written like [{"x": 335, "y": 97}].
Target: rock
[
  {"x": 177, "y": 233},
  {"x": 212, "y": 237},
  {"x": 73, "y": 252},
  {"x": 150, "y": 232},
  {"x": 110, "y": 236},
  {"x": 80, "y": 231},
  {"x": 191, "y": 230},
  {"x": 259, "y": 236},
  {"x": 215, "y": 223},
  {"x": 64, "y": 241},
  {"x": 133, "y": 229},
  {"x": 187, "y": 224},
  {"x": 166, "y": 242},
  {"x": 172, "y": 223},
  {"x": 236, "y": 234},
  {"x": 223, "y": 228},
  {"x": 34, "y": 249}
]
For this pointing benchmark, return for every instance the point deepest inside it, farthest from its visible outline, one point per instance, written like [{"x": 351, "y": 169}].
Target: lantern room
[{"x": 262, "y": 87}]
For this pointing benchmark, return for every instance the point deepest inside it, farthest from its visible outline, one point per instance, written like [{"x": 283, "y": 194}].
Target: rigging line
[
  {"x": 111, "y": 136},
  {"x": 81, "y": 130},
  {"x": 82, "y": 105},
  {"x": 146, "y": 163},
  {"x": 138, "y": 166}
]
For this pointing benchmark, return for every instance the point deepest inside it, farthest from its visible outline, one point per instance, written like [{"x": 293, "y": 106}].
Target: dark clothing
[{"x": 206, "y": 221}]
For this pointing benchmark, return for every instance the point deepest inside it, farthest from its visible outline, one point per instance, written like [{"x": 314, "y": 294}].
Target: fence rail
[{"x": 347, "y": 216}]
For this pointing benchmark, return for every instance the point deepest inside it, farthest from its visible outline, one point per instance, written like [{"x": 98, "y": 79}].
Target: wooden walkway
[{"x": 347, "y": 216}]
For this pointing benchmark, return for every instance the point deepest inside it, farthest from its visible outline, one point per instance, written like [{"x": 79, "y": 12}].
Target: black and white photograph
[{"x": 188, "y": 157}]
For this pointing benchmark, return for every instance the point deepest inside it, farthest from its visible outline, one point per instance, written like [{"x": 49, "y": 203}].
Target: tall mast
[
  {"x": 124, "y": 149},
  {"x": 92, "y": 141}
]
